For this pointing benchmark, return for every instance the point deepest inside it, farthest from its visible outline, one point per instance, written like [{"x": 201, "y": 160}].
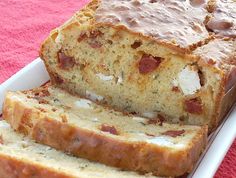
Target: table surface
[{"x": 24, "y": 24}]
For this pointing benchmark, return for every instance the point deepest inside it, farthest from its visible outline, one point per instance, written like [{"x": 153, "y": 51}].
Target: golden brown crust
[
  {"x": 88, "y": 144},
  {"x": 11, "y": 167},
  {"x": 158, "y": 19},
  {"x": 226, "y": 103}
]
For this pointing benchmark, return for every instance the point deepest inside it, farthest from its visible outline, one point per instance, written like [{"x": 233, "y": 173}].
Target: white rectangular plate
[{"x": 35, "y": 74}]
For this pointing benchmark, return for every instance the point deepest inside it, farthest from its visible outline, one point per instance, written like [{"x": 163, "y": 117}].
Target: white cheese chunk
[
  {"x": 16, "y": 98},
  {"x": 165, "y": 141},
  {"x": 93, "y": 96},
  {"x": 120, "y": 79},
  {"x": 95, "y": 119},
  {"x": 189, "y": 81},
  {"x": 4, "y": 124},
  {"x": 105, "y": 77},
  {"x": 150, "y": 115},
  {"x": 59, "y": 39},
  {"x": 139, "y": 119},
  {"x": 83, "y": 103},
  {"x": 175, "y": 83}
]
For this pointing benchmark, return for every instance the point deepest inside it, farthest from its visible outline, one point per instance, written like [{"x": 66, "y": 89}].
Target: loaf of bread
[
  {"x": 53, "y": 117},
  {"x": 23, "y": 158},
  {"x": 172, "y": 58}
]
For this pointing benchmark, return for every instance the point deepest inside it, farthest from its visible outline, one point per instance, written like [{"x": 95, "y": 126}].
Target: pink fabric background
[{"x": 23, "y": 26}]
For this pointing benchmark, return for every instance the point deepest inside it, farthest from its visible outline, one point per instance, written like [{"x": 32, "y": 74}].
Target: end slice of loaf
[
  {"x": 21, "y": 157},
  {"x": 174, "y": 58},
  {"x": 53, "y": 117}
]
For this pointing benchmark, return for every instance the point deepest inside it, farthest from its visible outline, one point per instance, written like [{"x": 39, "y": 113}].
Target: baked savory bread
[
  {"x": 174, "y": 58},
  {"x": 23, "y": 158},
  {"x": 53, "y": 117}
]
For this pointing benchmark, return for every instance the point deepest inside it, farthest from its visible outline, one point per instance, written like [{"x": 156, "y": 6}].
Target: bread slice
[
  {"x": 23, "y": 158},
  {"x": 53, "y": 117},
  {"x": 145, "y": 57}
]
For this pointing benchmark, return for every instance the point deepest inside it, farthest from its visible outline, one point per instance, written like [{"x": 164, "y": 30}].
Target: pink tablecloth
[{"x": 23, "y": 26}]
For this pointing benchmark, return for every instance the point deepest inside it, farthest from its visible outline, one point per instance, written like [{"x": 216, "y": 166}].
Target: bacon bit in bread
[
  {"x": 110, "y": 42},
  {"x": 42, "y": 101},
  {"x": 211, "y": 62},
  {"x": 41, "y": 109},
  {"x": 103, "y": 66},
  {"x": 65, "y": 62},
  {"x": 36, "y": 94},
  {"x": 193, "y": 106},
  {"x": 39, "y": 94},
  {"x": 159, "y": 120},
  {"x": 44, "y": 93},
  {"x": 150, "y": 135},
  {"x": 175, "y": 89},
  {"x": 1, "y": 139},
  {"x": 57, "y": 79},
  {"x": 29, "y": 97},
  {"x": 182, "y": 118},
  {"x": 201, "y": 77},
  {"x": 148, "y": 63},
  {"x": 64, "y": 118},
  {"x": 173, "y": 133},
  {"x": 110, "y": 129},
  {"x": 153, "y": 1},
  {"x": 95, "y": 44},
  {"x": 54, "y": 109},
  {"x": 133, "y": 113},
  {"x": 82, "y": 36},
  {"x": 136, "y": 44},
  {"x": 95, "y": 34}
]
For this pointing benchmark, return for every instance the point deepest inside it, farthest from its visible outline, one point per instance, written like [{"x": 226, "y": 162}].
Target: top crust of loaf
[
  {"x": 169, "y": 21},
  {"x": 184, "y": 24}
]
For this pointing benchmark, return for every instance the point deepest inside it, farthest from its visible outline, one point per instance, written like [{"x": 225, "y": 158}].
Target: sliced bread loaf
[
  {"x": 53, "y": 117},
  {"x": 169, "y": 57},
  {"x": 23, "y": 158}
]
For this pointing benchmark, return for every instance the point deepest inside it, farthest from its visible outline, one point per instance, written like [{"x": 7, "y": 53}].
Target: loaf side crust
[{"x": 11, "y": 167}]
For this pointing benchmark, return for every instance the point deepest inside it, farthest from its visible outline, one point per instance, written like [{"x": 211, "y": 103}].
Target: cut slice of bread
[
  {"x": 150, "y": 57},
  {"x": 23, "y": 158},
  {"x": 53, "y": 117}
]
